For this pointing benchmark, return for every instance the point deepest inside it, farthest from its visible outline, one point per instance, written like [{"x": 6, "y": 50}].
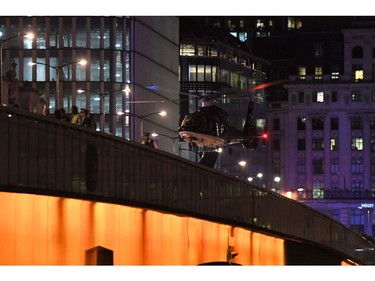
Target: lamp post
[
  {"x": 29, "y": 36},
  {"x": 58, "y": 99},
  {"x": 102, "y": 96},
  {"x": 173, "y": 139},
  {"x": 142, "y": 118},
  {"x": 233, "y": 168}
]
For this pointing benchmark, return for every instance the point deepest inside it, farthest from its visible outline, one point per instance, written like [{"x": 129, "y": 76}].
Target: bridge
[{"x": 73, "y": 196}]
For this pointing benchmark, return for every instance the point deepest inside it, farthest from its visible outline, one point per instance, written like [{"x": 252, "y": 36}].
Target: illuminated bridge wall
[
  {"x": 47, "y": 230},
  {"x": 65, "y": 190}
]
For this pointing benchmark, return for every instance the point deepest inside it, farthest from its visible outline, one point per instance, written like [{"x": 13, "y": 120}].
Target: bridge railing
[{"x": 43, "y": 155}]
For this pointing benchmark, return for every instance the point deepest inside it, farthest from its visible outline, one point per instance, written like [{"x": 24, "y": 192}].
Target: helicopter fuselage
[{"x": 208, "y": 127}]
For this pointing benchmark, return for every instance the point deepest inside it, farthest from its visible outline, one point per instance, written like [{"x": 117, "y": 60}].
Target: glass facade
[{"x": 58, "y": 44}]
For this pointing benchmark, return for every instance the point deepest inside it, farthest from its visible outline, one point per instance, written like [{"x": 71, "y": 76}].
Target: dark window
[
  {"x": 301, "y": 123},
  {"x": 372, "y": 123},
  {"x": 301, "y": 97},
  {"x": 357, "y": 165},
  {"x": 276, "y": 144},
  {"x": 301, "y": 144},
  {"x": 356, "y": 123},
  {"x": 276, "y": 124},
  {"x": 317, "y": 144},
  {"x": 357, "y": 52},
  {"x": 334, "y": 96},
  {"x": 319, "y": 49},
  {"x": 318, "y": 166},
  {"x": 357, "y": 96},
  {"x": 317, "y": 123},
  {"x": 334, "y": 123},
  {"x": 334, "y": 166}
]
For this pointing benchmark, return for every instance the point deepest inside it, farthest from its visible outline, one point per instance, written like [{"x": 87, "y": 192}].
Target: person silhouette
[{"x": 148, "y": 141}]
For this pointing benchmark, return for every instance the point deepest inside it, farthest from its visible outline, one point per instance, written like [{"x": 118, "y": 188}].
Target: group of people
[{"x": 80, "y": 118}]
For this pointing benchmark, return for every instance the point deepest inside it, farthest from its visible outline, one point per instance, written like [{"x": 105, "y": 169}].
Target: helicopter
[{"x": 209, "y": 128}]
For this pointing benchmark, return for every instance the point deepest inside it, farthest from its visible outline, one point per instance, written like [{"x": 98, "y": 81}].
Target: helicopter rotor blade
[
  {"x": 264, "y": 85},
  {"x": 168, "y": 91},
  {"x": 242, "y": 94}
]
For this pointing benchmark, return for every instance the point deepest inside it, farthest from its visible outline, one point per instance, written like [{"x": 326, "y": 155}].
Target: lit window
[
  {"x": 334, "y": 144},
  {"x": 358, "y": 75},
  {"x": 192, "y": 72},
  {"x": 318, "y": 72},
  {"x": 357, "y": 143},
  {"x": 318, "y": 96},
  {"x": 302, "y": 72},
  {"x": 335, "y": 75},
  {"x": 187, "y": 50},
  {"x": 318, "y": 189}
]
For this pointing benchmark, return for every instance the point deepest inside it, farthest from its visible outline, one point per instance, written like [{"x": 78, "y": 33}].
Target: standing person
[
  {"x": 75, "y": 118},
  {"x": 86, "y": 120},
  {"x": 45, "y": 111},
  {"x": 61, "y": 114},
  {"x": 148, "y": 141}
]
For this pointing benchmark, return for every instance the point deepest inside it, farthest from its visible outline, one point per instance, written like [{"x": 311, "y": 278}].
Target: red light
[{"x": 265, "y": 135}]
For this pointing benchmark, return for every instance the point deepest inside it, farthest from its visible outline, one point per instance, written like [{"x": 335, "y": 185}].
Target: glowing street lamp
[
  {"x": 29, "y": 36},
  {"x": 242, "y": 163},
  {"x": 257, "y": 179},
  {"x": 58, "y": 100},
  {"x": 102, "y": 96}
]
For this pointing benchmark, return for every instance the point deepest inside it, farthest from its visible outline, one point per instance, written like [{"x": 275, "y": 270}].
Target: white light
[
  {"x": 277, "y": 179},
  {"x": 259, "y": 175},
  {"x": 250, "y": 179},
  {"x": 242, "y": 163},
  {"x": 126, "y": 90},
  {"x": 162, "y": 113}
]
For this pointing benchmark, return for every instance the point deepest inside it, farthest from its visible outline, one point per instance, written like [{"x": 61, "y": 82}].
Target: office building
[
  {"x": 321, "y": 132},
  {"x": 128, "y": 60},
  {"x": 215, "y": 67}
]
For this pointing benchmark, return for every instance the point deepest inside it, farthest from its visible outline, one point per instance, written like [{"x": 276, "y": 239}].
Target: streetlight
[
  {"x": 257, "y": 179},
  {"x": 102, "y": 96},
  {"x": 142, "y": 118},
  {"x": 173, "y": 139},
  {"x": 58, "y": 98},
  {"x": 29, "y": 36}
]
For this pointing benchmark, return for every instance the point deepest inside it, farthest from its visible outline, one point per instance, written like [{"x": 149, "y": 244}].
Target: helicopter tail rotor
[{"x": 250, "y": 133}]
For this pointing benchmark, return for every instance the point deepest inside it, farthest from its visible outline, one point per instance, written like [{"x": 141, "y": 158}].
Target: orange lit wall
[{"x": 47, "y": 230}]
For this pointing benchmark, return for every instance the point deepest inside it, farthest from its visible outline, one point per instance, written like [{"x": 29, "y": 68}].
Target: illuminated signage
[{"x": 367, "y": 205}]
